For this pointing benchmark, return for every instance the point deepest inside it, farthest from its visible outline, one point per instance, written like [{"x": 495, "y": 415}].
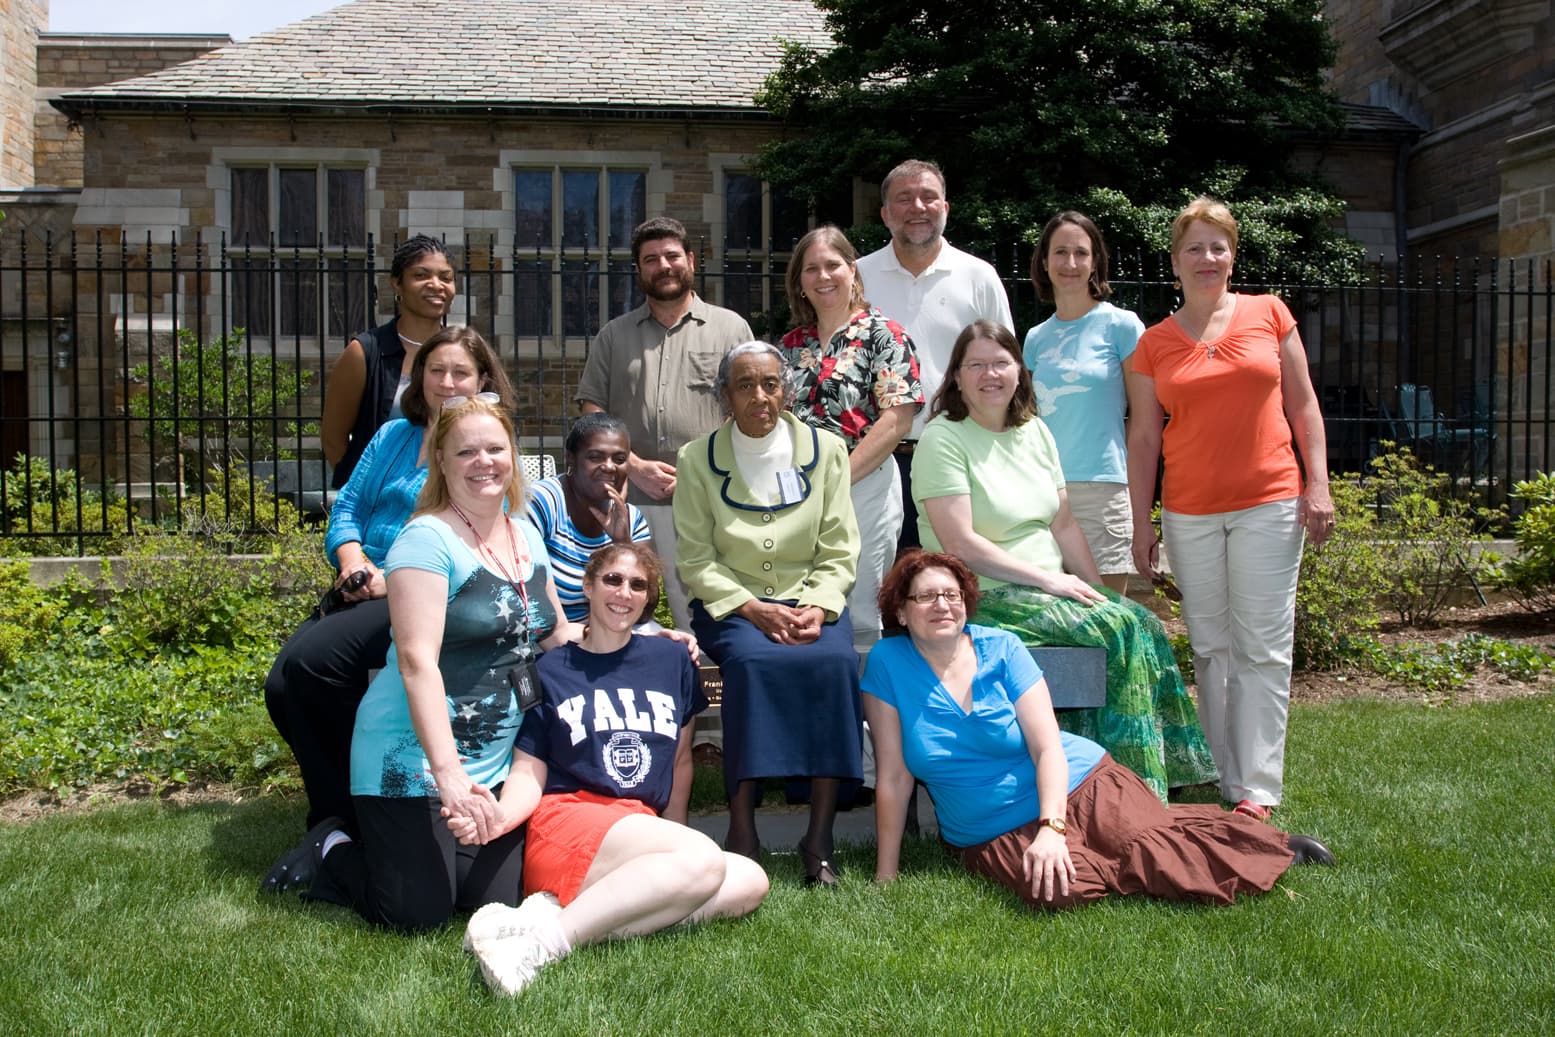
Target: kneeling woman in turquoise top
[
  {"x": 1048, "y": 814},
  {"x": 471, "y": 602}
]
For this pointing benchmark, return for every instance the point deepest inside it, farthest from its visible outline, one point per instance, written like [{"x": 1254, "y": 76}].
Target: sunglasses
[
  {"x": 637, "y": 583},
  {"x": 480, "y": 397},
  {"x": 952, "y": 597}
]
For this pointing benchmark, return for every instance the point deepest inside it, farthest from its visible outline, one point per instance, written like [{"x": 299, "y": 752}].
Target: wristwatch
[{"x": 1055, "y": 823}]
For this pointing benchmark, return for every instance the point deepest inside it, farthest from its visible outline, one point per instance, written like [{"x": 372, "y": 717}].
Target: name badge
[{"x": 790, "y": 489}]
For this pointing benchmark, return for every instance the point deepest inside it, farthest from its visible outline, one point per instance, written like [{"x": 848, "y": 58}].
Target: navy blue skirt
[{"x": 788, "y": 710}]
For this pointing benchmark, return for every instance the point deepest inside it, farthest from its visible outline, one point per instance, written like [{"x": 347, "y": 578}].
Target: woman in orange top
[{"x": 1231, "y": 371}]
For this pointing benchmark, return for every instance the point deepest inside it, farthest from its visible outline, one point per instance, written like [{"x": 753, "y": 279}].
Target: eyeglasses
[
  {"x": 480, "y": 397},
  {"x": 952, "y": 597},
  {"x": 638, "y": 584},
  {"x": 997, "y": 366}
]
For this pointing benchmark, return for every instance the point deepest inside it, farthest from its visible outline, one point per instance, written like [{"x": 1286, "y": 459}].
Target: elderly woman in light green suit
[{"x": 768, "y": 545}]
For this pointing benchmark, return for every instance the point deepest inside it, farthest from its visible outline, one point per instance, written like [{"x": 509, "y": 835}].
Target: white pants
[
  {"x": 877, "y": 506},
  {"x": 1237, "y": 572},
  {"x": 661, "y": 523}
]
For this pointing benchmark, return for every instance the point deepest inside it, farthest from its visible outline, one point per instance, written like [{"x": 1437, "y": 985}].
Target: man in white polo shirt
[{"x": 928, "y": 286}]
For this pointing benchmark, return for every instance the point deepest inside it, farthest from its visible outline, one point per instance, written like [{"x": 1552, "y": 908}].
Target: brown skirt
[{"x": 1123, "y": 841}]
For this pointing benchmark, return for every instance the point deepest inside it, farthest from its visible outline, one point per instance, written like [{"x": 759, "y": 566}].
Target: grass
[{"x": 143, "y": 918}]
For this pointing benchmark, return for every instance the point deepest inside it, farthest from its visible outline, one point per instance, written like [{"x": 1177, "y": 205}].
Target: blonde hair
[
  {"x": 434, "y": 495},
  {"x": 1212, "y": 211}
]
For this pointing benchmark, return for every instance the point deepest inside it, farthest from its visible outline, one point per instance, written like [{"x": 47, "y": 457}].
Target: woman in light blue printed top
[
  {"x": 585, "y": 508},
  {"x": 472, "y": 604},
  {"x": 1079, "y": 363},
  {"x": 1045, "y": 813},
  {"x": 321, "y": 672}
]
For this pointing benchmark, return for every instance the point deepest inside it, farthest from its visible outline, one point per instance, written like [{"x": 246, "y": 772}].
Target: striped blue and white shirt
[{"x": 570, "y": 549}]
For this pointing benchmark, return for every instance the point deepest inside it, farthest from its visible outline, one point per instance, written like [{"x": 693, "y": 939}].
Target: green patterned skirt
[{"x": 1149, "y": 723}]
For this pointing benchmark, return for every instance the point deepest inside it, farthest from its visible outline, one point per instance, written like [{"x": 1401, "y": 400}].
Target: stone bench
[{"x": 1076, "y": 677}]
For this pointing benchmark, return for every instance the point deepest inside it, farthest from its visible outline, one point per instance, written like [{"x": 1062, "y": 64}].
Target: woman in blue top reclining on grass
[{"x": 1047, "y": 814}]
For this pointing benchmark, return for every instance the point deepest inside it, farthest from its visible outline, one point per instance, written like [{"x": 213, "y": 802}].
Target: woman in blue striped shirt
[{"x": 585, "y": 508}]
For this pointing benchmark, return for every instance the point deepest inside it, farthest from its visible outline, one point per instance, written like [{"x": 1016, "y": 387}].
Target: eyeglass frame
[
  {"x": 952, "y": 596},
  {"x": 977, "y": 367}
]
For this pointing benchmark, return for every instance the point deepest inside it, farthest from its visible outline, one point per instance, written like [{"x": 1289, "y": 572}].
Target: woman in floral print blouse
[{"x": 855, "y": 374}]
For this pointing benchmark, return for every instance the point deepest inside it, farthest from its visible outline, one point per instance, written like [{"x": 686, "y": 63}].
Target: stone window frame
[
  {"x": 616, "y": 285},
  {"x": 346, "y": 266}
]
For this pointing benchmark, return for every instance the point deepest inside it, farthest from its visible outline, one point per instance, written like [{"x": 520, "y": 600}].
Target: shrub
[
  {"x": 214, "y": 405},
  {"x": 183, "y": 593},
  {"x": 47, "y": 508},
  {"x": 1336, "y": 598},
  {"x": 1530, "y": 577},
  {"x": 1426, "y": 537}
]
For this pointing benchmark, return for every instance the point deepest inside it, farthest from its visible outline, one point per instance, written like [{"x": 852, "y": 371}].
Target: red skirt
[{"x": 565, "y": 832}]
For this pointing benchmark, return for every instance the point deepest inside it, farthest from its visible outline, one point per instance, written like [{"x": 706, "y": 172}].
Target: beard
[{"x": 669, "y": 285}]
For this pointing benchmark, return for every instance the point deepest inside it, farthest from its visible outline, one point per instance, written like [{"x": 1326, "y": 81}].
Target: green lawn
[{"x": 143, "y": 919}]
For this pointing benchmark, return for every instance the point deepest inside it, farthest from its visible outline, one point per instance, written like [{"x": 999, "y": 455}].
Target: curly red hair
[{"x": 898, "y": 584}]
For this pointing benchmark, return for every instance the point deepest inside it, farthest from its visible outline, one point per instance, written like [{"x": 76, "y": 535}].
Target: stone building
[
  {"x": 213, "y": 185},
  {"x": 1459, "y": 169}
]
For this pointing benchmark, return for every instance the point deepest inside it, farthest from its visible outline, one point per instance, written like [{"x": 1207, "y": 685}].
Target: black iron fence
[{"x": 179, "y": 384}]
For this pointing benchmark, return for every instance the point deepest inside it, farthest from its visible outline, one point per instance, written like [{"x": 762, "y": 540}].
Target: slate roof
[{"x": 613, "y": 54}]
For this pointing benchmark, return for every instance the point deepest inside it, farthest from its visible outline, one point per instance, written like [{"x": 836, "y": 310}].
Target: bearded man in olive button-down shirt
[{"x": 654, "y": 368}]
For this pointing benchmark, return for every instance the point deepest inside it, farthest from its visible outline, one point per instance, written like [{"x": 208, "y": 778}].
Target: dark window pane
[
  {"x": 347, "y": 207},
  {"x": 532, "y": 298},
  {"x": 532, "y": 208},
  {"x": 789, "y": 220},
  {"x": 251, "y": 293},
  {"x": 251, "y": 207},
  {"x": 347, "y": 297},
  {"x": 299, "y": 294},
  {"x": 628, "y": 206},
  {"x": 580, "y": 297},
  {"x": 299, "y": 207},
  {"x": 742, "y": 286},
  {"x": 626, "y": 293},
  {"x": 580, "y": 209},
  {"x": 742, "y": 211}
]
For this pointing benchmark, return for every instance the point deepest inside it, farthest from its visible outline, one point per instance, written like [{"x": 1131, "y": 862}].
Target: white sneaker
[
  {"x": 509, "y": 965},
  {"x": 498, "y": 921}
]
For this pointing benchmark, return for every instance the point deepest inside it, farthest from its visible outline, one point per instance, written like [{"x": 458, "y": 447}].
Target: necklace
[
  {"x": 518, "y": 562},
  {"x": 409, "y": 341}
]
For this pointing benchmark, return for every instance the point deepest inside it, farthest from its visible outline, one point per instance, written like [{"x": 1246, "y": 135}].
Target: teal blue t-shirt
[
  {"x": 486, "y": 631},
  {"x": 976, "y": 764},
  {"x": 1077, "y": 372}
]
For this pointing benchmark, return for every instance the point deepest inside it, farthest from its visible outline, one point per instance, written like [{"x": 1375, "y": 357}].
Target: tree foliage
[{"x": 1125, "y": 108}]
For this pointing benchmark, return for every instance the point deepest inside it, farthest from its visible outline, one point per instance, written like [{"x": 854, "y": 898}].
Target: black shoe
[
  {"x": 295, "y": 870},
  {"x": 1309, "y": 851},
  {"x": 818, "y": 870}
]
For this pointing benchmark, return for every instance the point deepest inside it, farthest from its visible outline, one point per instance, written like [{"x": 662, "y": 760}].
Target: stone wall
[
  {"x": 1472, "y": 73},
  {"x": 167, "y": 179},
  {"x": 69, "y": 62},
  {"x": 20, "y": 23}
]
